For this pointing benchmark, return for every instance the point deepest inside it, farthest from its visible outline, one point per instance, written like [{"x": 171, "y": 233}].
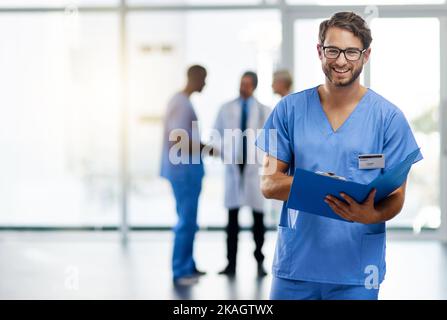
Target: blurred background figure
[
  {"x": 185, "y": 178},
  {"x": 242, "y": 185},
  {"x": 282, "y": 82},
  {"x": 282, "y": 86}
]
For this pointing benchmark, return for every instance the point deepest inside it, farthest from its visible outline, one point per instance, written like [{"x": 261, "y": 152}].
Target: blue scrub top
[
  {"x": 180, "y": 115},
  {"x": 315, "y": 248}
]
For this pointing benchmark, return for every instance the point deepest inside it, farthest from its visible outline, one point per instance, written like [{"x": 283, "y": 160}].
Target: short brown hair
[{"x": 348, "y": 21}]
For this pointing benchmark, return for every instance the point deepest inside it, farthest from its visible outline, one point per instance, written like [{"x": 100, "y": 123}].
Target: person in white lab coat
[{"x": 245, "y": 115}]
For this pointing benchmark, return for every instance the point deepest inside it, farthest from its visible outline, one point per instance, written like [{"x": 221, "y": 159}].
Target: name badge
[{"x": 371, "y": 161}]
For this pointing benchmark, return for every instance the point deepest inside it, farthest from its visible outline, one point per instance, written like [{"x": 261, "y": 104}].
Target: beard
[{"x": 327, "y": 69}]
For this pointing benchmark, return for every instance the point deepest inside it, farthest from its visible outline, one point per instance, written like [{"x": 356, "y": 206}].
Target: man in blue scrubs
[
  {"x": 327, "y": 128},
  {"x": 180, "y": 129}
]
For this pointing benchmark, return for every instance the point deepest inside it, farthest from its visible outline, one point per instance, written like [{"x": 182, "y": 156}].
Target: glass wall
[
  {"x": 57, "y": 3},
  {"x": 196, "y": 2},
  {"x": 59, "y": 119},
  {"x": 363, "y": 2},
  {"x": 158, "y": 62},
  {"x": 405, "y": 70},
  {"x": 61, "y": 107}
]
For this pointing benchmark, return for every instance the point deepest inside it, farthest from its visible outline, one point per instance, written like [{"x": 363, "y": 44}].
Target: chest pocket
[{"x": 364, "y": 176}]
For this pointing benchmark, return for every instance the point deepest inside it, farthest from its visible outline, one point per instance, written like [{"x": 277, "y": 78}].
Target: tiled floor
[{"x": 94, "y": 265}]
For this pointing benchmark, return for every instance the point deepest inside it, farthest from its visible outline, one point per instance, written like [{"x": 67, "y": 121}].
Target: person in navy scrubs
[{"x": 327, "y": 128}]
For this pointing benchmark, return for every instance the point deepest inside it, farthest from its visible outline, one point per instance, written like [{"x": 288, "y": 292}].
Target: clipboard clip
[{"x": 331, "y": 174}]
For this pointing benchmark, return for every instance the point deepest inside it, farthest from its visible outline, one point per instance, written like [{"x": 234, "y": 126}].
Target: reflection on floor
[{"x": 67, "y": 265}]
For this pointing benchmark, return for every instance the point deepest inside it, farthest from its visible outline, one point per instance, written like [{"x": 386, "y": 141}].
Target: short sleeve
[
  {"x": 399, "y": 140},
  {"x": 274, "y": 138},
  {"x": 180, "y": 116}
]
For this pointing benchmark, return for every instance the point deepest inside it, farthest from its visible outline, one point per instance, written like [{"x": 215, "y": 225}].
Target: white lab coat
[{"x": 246, "y": 192}]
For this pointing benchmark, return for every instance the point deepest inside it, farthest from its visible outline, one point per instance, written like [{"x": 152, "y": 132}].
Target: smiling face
[{"x": 341, "y": 72}]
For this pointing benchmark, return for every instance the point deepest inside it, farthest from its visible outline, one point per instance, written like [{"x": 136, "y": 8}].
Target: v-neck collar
[{"x": 325, "y": 119}]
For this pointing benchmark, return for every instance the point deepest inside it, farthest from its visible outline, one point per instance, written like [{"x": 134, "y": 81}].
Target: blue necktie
[{"x": 244, "y": 116}]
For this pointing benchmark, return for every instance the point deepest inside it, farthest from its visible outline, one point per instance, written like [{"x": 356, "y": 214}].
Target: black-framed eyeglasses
[{"x": 351, "y": 54}]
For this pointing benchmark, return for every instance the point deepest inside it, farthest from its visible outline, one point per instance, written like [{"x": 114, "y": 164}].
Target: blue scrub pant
[
  {"x": 286, "y": 289},
  {"x": 186, "y": 195}
]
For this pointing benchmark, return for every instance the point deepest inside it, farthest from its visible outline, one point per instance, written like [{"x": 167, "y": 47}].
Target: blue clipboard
[{"x": 309, "y": 188}]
